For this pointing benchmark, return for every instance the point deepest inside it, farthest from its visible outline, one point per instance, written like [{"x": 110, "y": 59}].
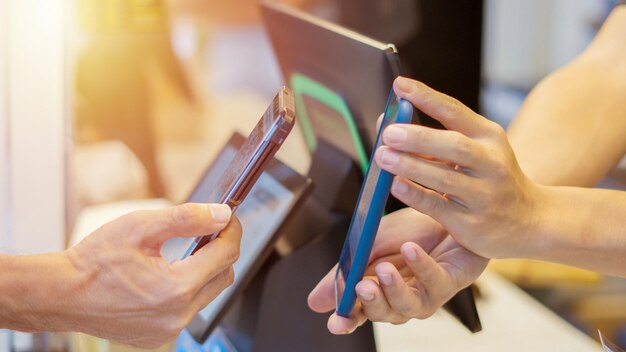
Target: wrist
[
  {"x": 581, "y": 227},
  {"x": 542, "y": 236},
  {"x": 531, "y": 234},
  {"x": 38, "y": 292},
  {"x": 66, "y": 288}
]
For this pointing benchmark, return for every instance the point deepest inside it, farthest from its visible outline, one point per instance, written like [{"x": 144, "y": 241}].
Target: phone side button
[{"x": 234, "y": 203}]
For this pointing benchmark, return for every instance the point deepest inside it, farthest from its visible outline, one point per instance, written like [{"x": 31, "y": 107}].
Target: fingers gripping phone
[
  {"x": 366, "y": 218},
  {"x": 248, "y": 164}
]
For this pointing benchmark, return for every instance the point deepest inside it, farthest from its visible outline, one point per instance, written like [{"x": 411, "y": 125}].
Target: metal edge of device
[
  {"x": 287, "y": 104},
  {"x": 327, "y": 25},
  {"x": 286, "y": 115}
]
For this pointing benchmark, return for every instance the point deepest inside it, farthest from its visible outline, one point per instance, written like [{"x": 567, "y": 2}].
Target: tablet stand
[{"x": 272, "y": 312}]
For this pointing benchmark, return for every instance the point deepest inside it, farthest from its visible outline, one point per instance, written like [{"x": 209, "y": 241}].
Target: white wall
[
  {"x": 36, "y": 112},
  {"x": 5, "y": 240},
  {"x": 527, "y": 39},
  {"x": 32, "y": 115}
]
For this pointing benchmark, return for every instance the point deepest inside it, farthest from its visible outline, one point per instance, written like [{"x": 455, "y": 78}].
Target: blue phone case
[{"x": 366, "y": 218}]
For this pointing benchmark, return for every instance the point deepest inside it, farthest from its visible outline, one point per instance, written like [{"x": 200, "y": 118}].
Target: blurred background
[{"x": 146, "y": 90}]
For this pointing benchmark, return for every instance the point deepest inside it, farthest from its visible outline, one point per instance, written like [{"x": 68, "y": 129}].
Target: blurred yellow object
[
  {"x": 121, "y": 348},
  {"x": 106, "y": 16},
  {"x": 531, "y": 273},
  {"x": 125, "y": 45},
  {"x": 87, "y": 343}
]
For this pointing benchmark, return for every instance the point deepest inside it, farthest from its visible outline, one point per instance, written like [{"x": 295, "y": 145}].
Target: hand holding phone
[
  {"x": 366, "y": 218},
  {"x": 248, "y": 164}
]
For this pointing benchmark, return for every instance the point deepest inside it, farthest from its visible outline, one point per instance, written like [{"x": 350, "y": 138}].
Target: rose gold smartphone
[{"x": 246, "y": 167}]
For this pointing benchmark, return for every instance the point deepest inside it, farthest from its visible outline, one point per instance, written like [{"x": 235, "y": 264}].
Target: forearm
[
  {"x": 581, "y": 227},
  {"x": 36, "y": 292},
  {"x": 562, "y": 135},
  {"x": 570, "y": 130}
]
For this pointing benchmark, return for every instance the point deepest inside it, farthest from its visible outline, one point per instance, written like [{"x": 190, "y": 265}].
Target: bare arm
[
  {"x": 34, "y": 291},
  {"x": 581, "y": 227},
  {"x": 116, "y": 285},
  {"x": 571, "y": 129}
]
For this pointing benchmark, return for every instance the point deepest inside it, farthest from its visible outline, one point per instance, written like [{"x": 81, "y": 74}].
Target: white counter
[{"x": 512, "y": 321}]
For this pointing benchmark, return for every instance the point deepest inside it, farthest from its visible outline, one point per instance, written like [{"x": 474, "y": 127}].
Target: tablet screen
[
  {"x": 260, "y": 215},
  {"x": 268, "y": 204}
]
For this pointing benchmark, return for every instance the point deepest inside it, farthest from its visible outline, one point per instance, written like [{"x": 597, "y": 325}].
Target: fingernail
[
  {"x": 366, "y": 296},
  {"x": 221, "y": 213},
  {"x": 345, "y": 332},
  {"x": 385, "y": 278},
  {"x": 411, "y": 254},
  {"x": 395, "y": 134},
  {"x": 399, "y": 187},
  {"x": 405, "y": 85},
  {"x": 389, "y": 157},
  {"x": 337, "y": 325}
]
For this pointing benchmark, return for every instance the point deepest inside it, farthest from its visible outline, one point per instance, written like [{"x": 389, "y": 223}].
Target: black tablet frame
[{"x": 300, "y": 186}]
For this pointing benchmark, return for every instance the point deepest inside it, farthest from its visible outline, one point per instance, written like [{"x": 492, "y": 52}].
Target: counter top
[{"x": 512, "y": 321}]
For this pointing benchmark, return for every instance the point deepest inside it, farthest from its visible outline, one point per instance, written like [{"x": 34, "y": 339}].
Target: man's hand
[
  {"x": 415, "y": 267},
  {"x": 126, "y": 291}
]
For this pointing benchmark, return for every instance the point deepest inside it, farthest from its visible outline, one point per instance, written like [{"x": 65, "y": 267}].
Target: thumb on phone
[{"x": 185, "y": 220}]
